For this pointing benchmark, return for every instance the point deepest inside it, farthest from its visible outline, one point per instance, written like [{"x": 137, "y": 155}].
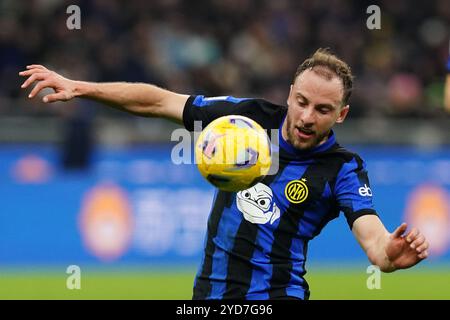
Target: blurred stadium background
[{"x": 81, "y": 184}]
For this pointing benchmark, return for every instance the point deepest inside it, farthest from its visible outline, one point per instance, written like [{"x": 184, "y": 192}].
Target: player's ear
[
  {"x": 290, "y": 93},
  {"x": 343, "y": 113}
]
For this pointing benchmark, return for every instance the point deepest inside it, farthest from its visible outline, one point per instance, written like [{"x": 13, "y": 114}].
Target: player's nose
[{"x": 307, "y": 116}]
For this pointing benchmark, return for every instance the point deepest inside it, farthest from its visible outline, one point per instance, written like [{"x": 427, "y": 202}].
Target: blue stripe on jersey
[
  {"x": 312, "y": 220},
  {"x": 348, "y": 184},
  {"x": 201, "y": 101},
  {"x": 262, "y": 275},
  {"x": 298, "y": 258},
  {"x": 227, "y": 229},
  {"x": 199, "y": 271},
  {"x": 219, "y": 272}
]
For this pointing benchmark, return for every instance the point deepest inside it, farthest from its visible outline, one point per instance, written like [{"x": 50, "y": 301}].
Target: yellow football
[{"x": 233, "y": 153}]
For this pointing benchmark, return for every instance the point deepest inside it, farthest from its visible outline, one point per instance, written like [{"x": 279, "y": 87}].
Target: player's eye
[
  {"x": 323, "y": 109},
  {"x": 302, "y": 103},
  {"x": 246, "y": 195}
]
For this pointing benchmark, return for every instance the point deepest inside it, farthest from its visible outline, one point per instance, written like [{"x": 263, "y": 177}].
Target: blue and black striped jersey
[{"x": 257, "y": 239}]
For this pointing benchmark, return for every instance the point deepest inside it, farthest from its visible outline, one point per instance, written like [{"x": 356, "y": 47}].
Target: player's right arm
[{"x": 137, "y": 98}]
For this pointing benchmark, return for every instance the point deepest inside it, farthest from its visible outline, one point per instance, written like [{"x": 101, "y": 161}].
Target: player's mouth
[{"x": 304, "y": 133}]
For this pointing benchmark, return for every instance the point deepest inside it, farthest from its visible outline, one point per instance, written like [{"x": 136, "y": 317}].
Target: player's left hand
[{"x": 404, "y": 251}]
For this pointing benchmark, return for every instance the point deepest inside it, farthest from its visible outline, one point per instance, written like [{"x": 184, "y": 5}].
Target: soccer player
[{"x": 317, "y": 179}]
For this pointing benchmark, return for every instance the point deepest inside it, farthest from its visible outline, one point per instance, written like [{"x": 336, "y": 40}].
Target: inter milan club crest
[{"x": 296, "y": 191}]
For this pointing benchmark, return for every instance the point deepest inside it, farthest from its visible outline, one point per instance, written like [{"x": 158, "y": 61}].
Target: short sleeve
[
  {"x": 200, "y": 108},
  {"x": 352, "y": 190},
  {"x": 205, "y": 110}
]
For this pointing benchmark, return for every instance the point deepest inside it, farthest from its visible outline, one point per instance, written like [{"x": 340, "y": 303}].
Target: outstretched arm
[
  {"x": 389, "y": 251},
  {"x": 138, "y": 98}
]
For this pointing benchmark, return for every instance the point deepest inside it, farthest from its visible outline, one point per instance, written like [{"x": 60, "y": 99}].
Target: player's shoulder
[
  {"x": 345, "y": 153},
  {"x": 268, "y": 114},
  {"x": 350, "y": 160},
  {"x": 344, "y": 156}
]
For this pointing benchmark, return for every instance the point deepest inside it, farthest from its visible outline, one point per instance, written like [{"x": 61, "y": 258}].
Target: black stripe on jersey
[
  {"x": 332, "y": 214},
  {"x": 202, "y": 287},
  {"x": 345, "y": 156},
  {"x": 306, "y": 285},
  {"x": 359, "y": 162},
  {"x": 239, "y": 270},
  {"x": 362, "y": 174},
  {"x": 326, "y": 167}
]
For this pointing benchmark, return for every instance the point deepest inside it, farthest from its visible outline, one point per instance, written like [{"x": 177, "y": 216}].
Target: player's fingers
[
  {"x": 38, "y": 87},
  {"x": 36, "y": 66},
  {"x": 29, "y": 72},
  {"x": 423, "y": 255},
  {"x": 418, "y": 241},
  {"x": 33, "y": 78},
  {"x": 412, "y": 235},
  {"x": 400, "y": 230},
  {"x": 424, "y": 246},
  {"x": 60, "y": 96}
]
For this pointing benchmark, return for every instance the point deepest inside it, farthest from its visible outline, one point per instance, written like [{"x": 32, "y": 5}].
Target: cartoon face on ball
[{"x": 257, "y": 205}]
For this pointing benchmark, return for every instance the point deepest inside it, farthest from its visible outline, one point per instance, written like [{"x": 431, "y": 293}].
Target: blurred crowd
[{"x": 245, "y": 48}]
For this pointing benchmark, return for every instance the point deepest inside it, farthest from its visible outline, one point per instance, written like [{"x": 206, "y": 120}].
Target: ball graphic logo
[
  {"x": 296, "y": 191},
  {"x": 233, "y": 153}
]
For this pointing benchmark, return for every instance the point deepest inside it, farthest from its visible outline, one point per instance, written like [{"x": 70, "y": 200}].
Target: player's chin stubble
[{"x": 298, "y": 144}]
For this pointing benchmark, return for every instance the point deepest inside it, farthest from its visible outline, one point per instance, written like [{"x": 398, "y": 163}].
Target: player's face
[{"x": 314, "y": 107}]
